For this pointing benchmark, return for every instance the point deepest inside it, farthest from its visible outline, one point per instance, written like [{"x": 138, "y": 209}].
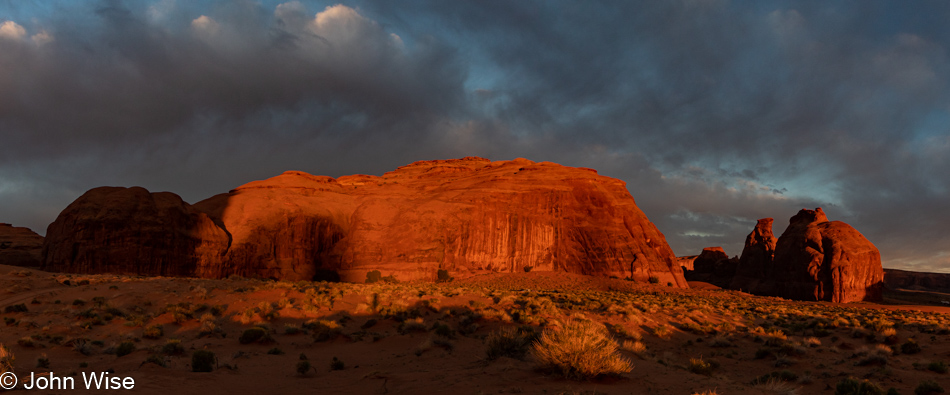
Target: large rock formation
[
  {"x": 20, "y": 246},
  {"x": 461, "y": 216},
  {"x": 131, "y": 231},
  {"x": 755, "y": 263},
  {"x": 814, "y": 259}
]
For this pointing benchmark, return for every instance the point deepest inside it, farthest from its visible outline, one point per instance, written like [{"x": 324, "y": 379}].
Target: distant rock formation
[
  {"x": 814, "y": 259},
  {"x": 462, "y": 216},
  {"x": 713, "y": 266},
  {"x": 686, "y": 262},
  {"x": 20, "y": 246},
  {"x": 131, "y": 231},
  {"x": 755, "y": 263},
  {"x": 917, "y": 281}
]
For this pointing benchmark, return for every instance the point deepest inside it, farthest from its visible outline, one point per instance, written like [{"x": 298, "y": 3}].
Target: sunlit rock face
[
  {"x": 463, "y": 216},
  {"x": 20, "y": 246},
  {"x": 131, "y": 231},
  {"x": 814, "y": 259}
]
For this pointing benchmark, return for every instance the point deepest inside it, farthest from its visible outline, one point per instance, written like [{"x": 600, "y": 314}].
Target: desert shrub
[
  {"x": 508, "y": 342},
  {"x": 442, "y": 329},
  {"x": 17, "y": 308},
  {"x": 156, "y": 359},
  {"x": 910, "y": 347},
  {"x": 937, "y": 367},
  {"x": 336, "y": 364},
  {"x": 42, "y": 362},
  {"x": 579, "y": 350},
  {"x": 443, "y": 276},
  {"x": 323, "y": 330},
  {"x": 173, "y": 347},
  {"x": 853, "y": 386},
  {"x": 527, "y": 269},
  {"x": 303, "y": 367},
  {"x": 252, "y": 335},
  {"x": 700, "y": 366},
  {"x": 203, "y": 361},
  {"x": 654, "y": 280},
  {"x": 784, "y": 375},
  {"x": 275, "y": 351},
  {"x": 663, "y": 331},
  {"x": 928, "y": 388},
  {"x": 124, "y": 348},
  {"x": 373, "y": 276},
  {"x": 153, "y": 332}
]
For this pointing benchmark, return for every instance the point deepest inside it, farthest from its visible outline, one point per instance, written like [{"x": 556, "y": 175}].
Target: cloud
[{"x": 714, "y": 113}]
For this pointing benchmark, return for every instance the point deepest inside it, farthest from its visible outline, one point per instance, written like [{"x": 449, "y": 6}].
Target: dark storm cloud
[{"x": 716, "y": 113}]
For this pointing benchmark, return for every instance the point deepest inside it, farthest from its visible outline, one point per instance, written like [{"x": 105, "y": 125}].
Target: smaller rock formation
[
  {"x": 20, "y": 246},
  {"x": 755, "y": 263},
  {"x": 713, "y": 266}
]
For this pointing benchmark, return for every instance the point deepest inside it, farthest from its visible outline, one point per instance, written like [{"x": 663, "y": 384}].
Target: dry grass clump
[
  {"x": 6, "y": 359},
  {"x": 509, "y": 342},
  {"x": 580, "y": 350}
]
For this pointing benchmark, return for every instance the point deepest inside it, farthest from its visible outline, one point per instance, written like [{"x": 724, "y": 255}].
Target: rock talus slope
[{"x": 462, "y": 216}]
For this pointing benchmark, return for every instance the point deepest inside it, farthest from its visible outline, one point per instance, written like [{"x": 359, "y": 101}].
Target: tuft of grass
[
  {"x": 910, "y": 347},
  {"x": 937, "y": 367},
  {"x": 579, "y": 350},
  {"x": 700, "y": 366},
  {"x": 853, "y": 386}
]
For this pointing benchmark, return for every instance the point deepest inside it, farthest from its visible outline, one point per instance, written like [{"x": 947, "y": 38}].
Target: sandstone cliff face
[
  {"x": 713, "y": 266},
  {"x": 755, "y": 263},
  {"x": 460, "y": 215},
  {"x": 817, "y": 259},
  {"x": 131, "y": 231},
  {"x": 20, "y": 246}
]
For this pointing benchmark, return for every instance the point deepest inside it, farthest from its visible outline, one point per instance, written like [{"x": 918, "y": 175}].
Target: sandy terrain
[{"x": 430, "y": 338}]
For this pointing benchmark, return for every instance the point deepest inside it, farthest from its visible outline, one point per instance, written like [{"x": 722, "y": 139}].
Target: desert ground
[{"x": 479, "y": 335}]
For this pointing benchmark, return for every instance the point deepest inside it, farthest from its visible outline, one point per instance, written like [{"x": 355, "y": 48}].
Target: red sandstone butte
[
  {"x": 461, "y": 215},
  {"x": 20, "y": 246},
  {"x": 817, "y": 259},
  {"x": 755, "y": 263},
  {"x": 131, "y": 231}
]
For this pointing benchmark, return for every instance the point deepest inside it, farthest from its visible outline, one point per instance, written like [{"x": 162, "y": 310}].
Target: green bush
[
  {"x": 125, "y": 348},
  {"x": 153, "y": 332},
  {"x": 203, "y": 361},
  {"x": 937, "y": 367},
  {"x": 336, "y": 364},
  {"x": 928, "y": 388},
  {"x": 443, "y": 276},
  {"x": 373, "y": 276},
  {"x": 303, "y": 367},
  {"x": 910, "y": 347},
  {"x": 252, "y": 335}
]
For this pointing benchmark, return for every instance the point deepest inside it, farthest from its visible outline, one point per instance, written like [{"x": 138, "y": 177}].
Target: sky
[{"x": 715, "y": 113}]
